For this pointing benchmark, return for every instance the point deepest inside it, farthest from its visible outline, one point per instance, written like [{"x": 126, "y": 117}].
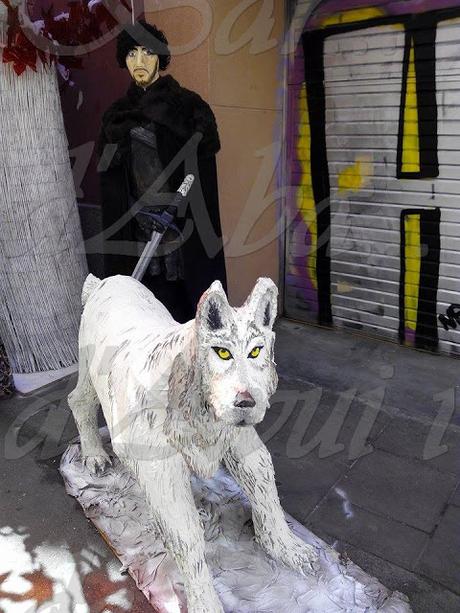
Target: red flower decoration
[
  {"x": 81, "y": 27},
  {"x": 19, "y": 50}
]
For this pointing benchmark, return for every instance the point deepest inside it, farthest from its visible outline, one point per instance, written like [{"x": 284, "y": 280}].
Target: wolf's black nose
[{"x": 244, "y": 400}]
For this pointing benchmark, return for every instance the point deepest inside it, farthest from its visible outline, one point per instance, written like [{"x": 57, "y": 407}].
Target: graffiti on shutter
[{"x": 373, "y": 140}]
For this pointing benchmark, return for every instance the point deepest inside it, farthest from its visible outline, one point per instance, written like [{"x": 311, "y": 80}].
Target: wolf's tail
[{"x": 89, "y": 286}]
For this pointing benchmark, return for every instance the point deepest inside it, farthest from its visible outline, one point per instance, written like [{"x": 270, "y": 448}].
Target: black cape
[{"x": 174, "y": 114}]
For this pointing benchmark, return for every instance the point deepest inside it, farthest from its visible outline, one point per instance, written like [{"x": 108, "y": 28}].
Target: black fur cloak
[{"x": 174, "y": 114}]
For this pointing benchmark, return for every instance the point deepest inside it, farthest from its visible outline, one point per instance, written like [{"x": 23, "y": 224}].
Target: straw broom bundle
[{"x": 42, "y": 260}]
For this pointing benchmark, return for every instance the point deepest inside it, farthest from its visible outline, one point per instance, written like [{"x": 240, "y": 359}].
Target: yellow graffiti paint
[
  {"x": 357, "y": 175},
  {"x": 305, "y": 197},
  {"x": 353, "y": 15},
  {"x": 412, "y": 259},
  {"x": 411, "y": 141},
  {"x": 344, "y": 287}
]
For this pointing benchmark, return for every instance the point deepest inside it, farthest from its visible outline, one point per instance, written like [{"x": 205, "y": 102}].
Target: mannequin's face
[{"x": 143, "y": 66}]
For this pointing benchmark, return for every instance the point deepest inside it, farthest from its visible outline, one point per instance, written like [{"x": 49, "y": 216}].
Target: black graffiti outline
[
  {"x": 421, "y": 33},
  {"x": 451, "y": 319},
  {"x": 426, "y": 331}
]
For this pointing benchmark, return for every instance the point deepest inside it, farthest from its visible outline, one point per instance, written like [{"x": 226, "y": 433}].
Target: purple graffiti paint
[
  {"x": 299, "y": 268},
  {"x": 409, "y": 336}
]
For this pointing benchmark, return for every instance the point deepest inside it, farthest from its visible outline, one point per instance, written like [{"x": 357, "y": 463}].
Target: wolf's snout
[{"x": 244, "y": 400}]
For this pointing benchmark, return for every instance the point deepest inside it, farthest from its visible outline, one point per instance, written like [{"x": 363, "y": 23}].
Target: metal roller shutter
[{"x": 390, "y": 183}]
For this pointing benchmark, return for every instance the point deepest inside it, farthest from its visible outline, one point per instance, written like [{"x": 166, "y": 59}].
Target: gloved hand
[{"x": 169, "y": 260}]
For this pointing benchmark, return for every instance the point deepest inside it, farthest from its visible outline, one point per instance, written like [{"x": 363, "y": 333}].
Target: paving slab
[
  {"x": 309, "y": 421},
  {"x": 437, "y": 445},
  {"x": 42, "y": 424},
  {"x": 384, "y": 537},
  {"x": 441, "y": 559},
  {"x": 302, "y": 484},
  {"x": 455, "y": 499},
  {"x": 402, "y": 489},
  {"x": 425, "y": 596},
  {"x": 340, "y": 360}
]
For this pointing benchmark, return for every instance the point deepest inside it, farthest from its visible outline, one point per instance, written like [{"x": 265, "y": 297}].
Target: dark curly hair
[{"x": 146, "y": 35}]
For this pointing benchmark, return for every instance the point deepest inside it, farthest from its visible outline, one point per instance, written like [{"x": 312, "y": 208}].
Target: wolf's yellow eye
[
  {"x": 223, "y": 353},
  {"x": 255, "y": 352}
]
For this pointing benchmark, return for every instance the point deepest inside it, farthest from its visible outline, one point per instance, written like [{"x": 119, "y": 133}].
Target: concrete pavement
[{"x": 365, "y": 440}]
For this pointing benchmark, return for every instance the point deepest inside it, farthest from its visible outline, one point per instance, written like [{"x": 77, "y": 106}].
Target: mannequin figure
[{"x": 150, "y": 126}]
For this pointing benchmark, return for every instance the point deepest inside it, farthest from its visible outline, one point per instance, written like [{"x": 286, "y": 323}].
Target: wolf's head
[{"x": 235, "y": 353}]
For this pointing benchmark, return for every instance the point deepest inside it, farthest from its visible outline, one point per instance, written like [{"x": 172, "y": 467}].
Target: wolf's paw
[
  {"x": 97, "y": 464},
  {"x": 293, "y": 553},
  {"x": 302, "y": 557}
]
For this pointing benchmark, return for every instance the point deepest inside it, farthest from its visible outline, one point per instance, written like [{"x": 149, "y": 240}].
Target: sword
[{"x": 162, "y": 222}]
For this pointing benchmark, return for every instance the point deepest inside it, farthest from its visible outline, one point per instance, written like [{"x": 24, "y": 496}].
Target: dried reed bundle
[{"x": 42, "y": 259}]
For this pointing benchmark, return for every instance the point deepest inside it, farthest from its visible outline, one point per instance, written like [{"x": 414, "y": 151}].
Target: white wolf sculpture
[{"x": 181, "y": 399}]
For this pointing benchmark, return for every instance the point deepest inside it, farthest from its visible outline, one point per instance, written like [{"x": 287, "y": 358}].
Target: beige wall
[{"x": 240, "y": 80}]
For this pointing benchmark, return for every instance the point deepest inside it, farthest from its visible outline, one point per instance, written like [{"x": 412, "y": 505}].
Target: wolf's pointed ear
[
  {"x": 263, "y": 302},
  {"x": 213, "y": 312}
]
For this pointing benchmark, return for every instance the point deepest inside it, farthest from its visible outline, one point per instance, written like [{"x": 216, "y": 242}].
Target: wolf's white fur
[{"x": 173, "y": 406}]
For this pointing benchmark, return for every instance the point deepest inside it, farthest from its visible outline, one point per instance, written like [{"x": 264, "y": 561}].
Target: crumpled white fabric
[{"x": 246, "y": 579}]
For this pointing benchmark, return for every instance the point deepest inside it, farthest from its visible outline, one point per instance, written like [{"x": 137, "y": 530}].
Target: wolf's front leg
[
  {"x": 250, "y": 463},
  {"x": 166, "y": 483}
]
